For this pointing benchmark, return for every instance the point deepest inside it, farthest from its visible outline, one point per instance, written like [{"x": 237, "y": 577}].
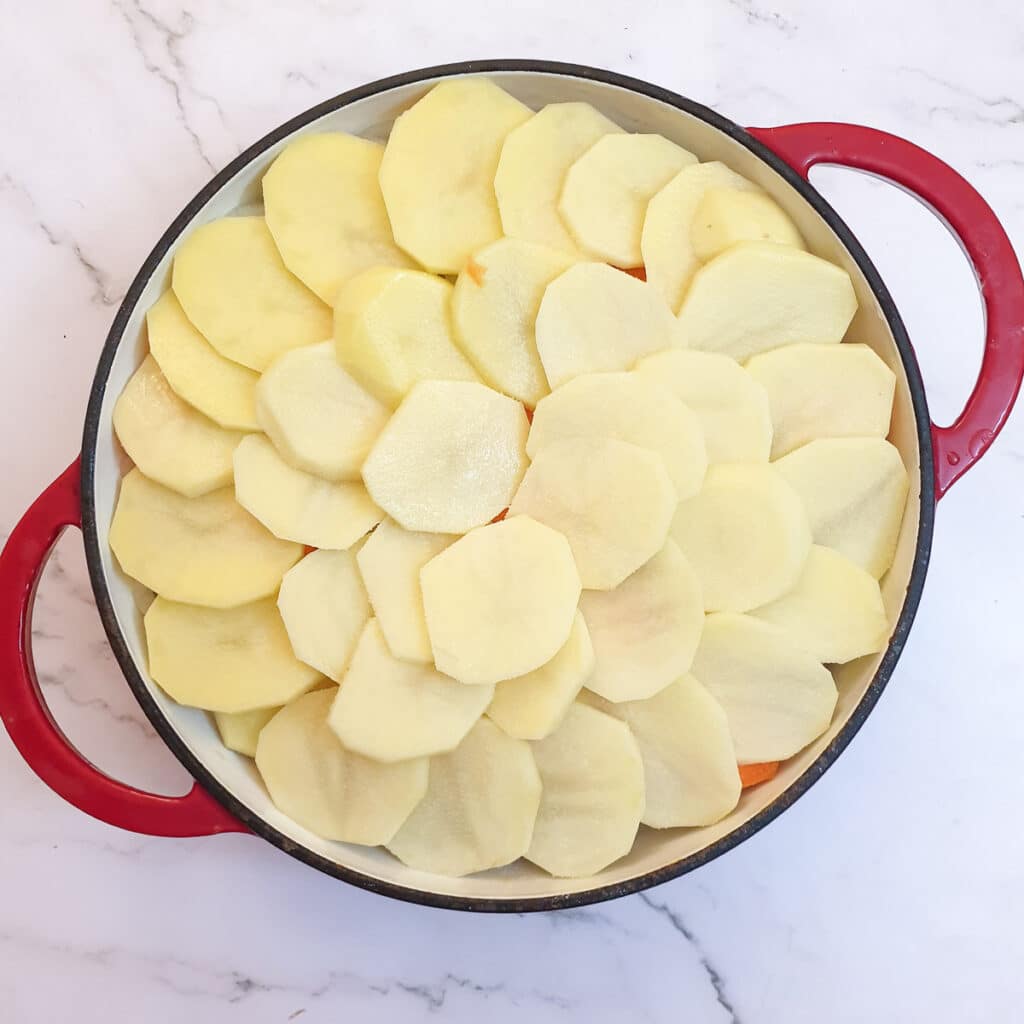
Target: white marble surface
[{"x": 892, "y": 892}]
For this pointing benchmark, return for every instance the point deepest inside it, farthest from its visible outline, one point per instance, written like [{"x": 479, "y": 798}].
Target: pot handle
[
  {"x": 47, "y": 751},
  {"x": 971, "y": 220}
]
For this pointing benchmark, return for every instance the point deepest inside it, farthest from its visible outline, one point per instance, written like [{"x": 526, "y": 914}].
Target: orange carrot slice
[{"x": 752, "y": 774}]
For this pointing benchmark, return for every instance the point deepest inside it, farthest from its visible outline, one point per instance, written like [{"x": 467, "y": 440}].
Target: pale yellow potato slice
[
  {"x": 323, "y": 204},
  {"x": 500, "y": 602},
  {"x": 167, "y": 439},
  {"x": 594, "y": 318},
  {"x": 233, "y": 286},
  {"x": 324, "y": 607},
  {"x": 593, "y": 794},
  {"x": 746, "y": 534},
  {"x": 668, "y": 256},
  {"x": 613, "y": 500},
  {"x": 824, "y": 391},
  {"x": 224, "y": 659},
  {"x": 479, "y": 810},
  {"x": 727, "y": 216},
  {"x": 758, "y": 296},
  {"x": 646, "y": 630},
  {"x": 606, "y": 192},
  {"x": 777, "y": 696},
  {"x": 855, "y": 491},
  {"x": 392, "y": 328},
  {"x": 494, "y": 311},
  {"x": 532, "y": 705},
  {"x": 334, "y": 792},
  {"x": 437, "y": 174},
  {"x": 631, "y": 408},
  {"x": 534, "y": 160},
  {"x": 240, "y": 730},
  {"x": 217, "y": 387},
  {"x": 206, "y": 551},
  {"x": 731, "y": 406},
  {"x": 390, "y": 563},
  {"x": 450, "y": 458}
]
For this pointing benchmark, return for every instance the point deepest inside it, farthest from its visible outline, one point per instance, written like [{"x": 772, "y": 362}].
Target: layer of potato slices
[
  {"x": 240, "y": 730},
  {"x": 727, "y": 216}
]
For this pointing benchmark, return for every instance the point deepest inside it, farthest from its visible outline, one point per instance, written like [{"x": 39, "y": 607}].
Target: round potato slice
[
  {"x": 613, "y": 500},
  {"x": 324, "y": 207},
  {"x": 450, "y": 458},
  {"x": 500, "y": 602},
  {"x": 746, "y": 534},
  {"x": 240, "y": 730},
  {"x": 335, "y": 793},
  {"x": 206, "y": 551},
  {"x": 593, "y": 794},
  {"x": 727, "y": 216},
  {"x": 479, "y": 810},
  {"x": 224, "y": 659},
  {"x": 231, "y": 283},
  {"x": 594, "y": 318},
  {"x": 776, "y": 695},
  {"x": 167, "y": 439},
  {"x": 646, "y": 630},
  {"x": 606, "y": 191},
  {"x": 437, "y": 174}
]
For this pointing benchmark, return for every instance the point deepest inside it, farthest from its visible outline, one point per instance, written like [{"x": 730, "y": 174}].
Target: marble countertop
[{"x": 893, "y": 891}]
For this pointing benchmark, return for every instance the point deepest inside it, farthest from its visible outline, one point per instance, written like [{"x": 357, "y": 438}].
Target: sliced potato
[
  {"x": 167, "y": 439},
  {"x": 606, "y": 191},
  {"x": 731, "y": 406},
  {"x": 479, "y": 810},
  {"x": 776, "y": 695},
  {"x": 335, "y": 793},
  {"x": 824, "y": 391},
  {"x": 758, "y": 296},
  {"x": 854, "y": 490},
  {"x": 231, "y": 283},
  {"x": 746, "y": 534},
  {"x": 437, "y": 174},
  {"x": 726, "y": 216},
  {"x": 240, "y": 730},
  {"x": 450, "y": 458},
  {"x": 613, "y": 500},
  {"x": 593, "y": 794},
  {"x": 206, "y": 551},
  {"x": 500, "y": 602}
]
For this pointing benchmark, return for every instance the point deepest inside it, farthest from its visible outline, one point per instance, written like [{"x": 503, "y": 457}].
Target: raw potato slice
[
  {"x": 437, "y": 174},
  {"x": 167, "y": 439},
  {"x": 392, "y": 328},
  {"x": 593, "y": 794},
  {"x": 835, "y": 610},
  {"x": 240, "y": 730},
  {"x": 324, "y": 607},
  {"x": 731, "y": 406},
  {"x": 746, "y": 534},
  {"x": 777, "y": 696},
  {"x": 332, "y": 791},
  {"x": 631, "y": 408},
  {"x": 297, "y": 506},
  {"x": 390, "y": 563},
  {"x": 531, "y": 706},
  {"x": 479, "y": 810},
  {"x": 231, "y": 283},
  {"x": 690, "y": 774},
  {"x": 534, "y": 160},
  {"x": 824, "y": 391},
  {"x": 224, "y": 659},
  {"x": 646, "y": 630},
  {"x": 614, "y": 501},
  {"x": 758, "y": 296},
  {"x": 206, "y": 551},
  {"x": 607, "y": 189},
  {"x": 665, "y": 244},
  {"x": 217, "y": 387},
  {"x": 854, "y": 491},
  {"x": 726, "y": 216},
  {"x": 450, "y": 457},
  {"x": 500, "y": 602},
  {"x": 494, "y": 310},
  {"x": 324, "y": 207}
]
